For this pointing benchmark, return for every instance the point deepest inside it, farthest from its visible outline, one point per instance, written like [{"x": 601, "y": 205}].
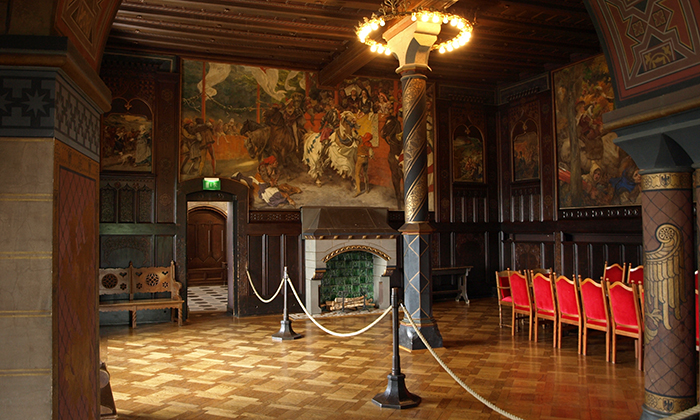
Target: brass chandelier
[{"x": 396, "y": 9}]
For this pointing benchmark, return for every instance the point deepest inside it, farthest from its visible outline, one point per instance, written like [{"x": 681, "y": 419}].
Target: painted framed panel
[
  {"x": 293, "y": 142},
  {"x": 592, "y": 170},
  {"x": 127, "y": 137},
  {"x": 468, "y": 153},
  {"x": 525, "y": 139}
]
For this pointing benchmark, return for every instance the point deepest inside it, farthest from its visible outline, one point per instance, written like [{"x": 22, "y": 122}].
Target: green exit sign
[{"x": 211, "y": 184}]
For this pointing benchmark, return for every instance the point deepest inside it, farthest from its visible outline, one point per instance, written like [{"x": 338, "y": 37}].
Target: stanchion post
[
  {"x": 286, "y": 332},
  {"x": 396, "y": 394}
]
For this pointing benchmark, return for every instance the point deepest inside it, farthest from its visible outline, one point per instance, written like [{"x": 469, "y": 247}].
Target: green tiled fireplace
[{"x": 350, "y": 273}]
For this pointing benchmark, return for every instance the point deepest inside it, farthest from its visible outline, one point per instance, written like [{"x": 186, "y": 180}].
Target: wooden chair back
[
  {"x": 635, "y": 275},
  {"x": 545, "y": 303},
  {"x": 569, "y": 306},
  {"x": 614, "y": 272},
  {"x": 625, "y": 317},
  {"x": 594, "y": 306},
  {"x": 522, "y": 300},
  {"x": 503, "y": 293}
]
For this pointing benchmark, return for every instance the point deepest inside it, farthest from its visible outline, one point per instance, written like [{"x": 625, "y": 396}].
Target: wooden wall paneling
[
  {"x": 444, "y": 198},
  {"x": 165, "y": 142},
  {"x": 165, "y": 251},
  {"x": 272, "y": 263},
  {"x": 293, "y": 256},
  {"x": 471, "y": 249},
  {"x": 249, "y": 303}
]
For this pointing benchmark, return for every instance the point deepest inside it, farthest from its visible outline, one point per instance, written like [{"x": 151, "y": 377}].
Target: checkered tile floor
[{"x": 207, "y": 298}]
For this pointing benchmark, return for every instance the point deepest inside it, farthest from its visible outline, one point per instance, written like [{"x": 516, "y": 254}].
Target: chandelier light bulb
[{"x": 372, "y": 24}]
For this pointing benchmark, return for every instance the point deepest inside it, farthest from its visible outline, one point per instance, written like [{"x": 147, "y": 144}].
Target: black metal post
[
  {"x": 286, "y": 332},
  {"x": 396, "y": 394}
]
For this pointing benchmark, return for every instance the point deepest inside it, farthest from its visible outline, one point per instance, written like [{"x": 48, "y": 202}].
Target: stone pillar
[
  {"x": 670, "y": 362},
  {"x": 49, "y": 183},
  {"x": 411, "y": 43}
]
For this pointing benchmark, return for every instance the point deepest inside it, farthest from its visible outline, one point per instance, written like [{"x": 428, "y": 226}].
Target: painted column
[
  {"x": 670, "y": 361},
  {"x": 411, "y": 43}
]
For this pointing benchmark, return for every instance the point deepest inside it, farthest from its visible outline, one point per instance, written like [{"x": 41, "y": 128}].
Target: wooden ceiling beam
[
  {"x": 238, "y": 23},
  {"x": 264, "y": 40}
]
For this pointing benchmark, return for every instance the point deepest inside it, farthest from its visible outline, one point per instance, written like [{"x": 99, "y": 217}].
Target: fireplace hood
[{"x": 345, "y": 223}]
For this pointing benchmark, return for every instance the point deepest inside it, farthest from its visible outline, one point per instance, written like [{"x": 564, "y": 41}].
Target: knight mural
[{"x": 341, "y": 145}]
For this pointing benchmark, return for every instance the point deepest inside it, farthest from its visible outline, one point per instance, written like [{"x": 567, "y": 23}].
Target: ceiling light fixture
[{"x": 396, "y": 9}]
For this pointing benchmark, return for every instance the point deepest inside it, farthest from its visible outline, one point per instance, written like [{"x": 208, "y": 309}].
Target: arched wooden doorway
[{"x": 206, "y": 247}]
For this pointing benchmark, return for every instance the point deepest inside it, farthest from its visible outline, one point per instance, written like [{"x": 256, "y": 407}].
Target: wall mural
[
  {"x": 593, "y": 171},
  {"x": 468, "y": 153},
  {"x": 126, "y": 144},
  {"x": 292, "y": 142},
  {"x": 526, "y": 150}
]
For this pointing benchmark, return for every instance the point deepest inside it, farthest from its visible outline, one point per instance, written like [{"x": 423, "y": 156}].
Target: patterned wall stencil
[
  {"x": 76, "y": 285},
  {"x": 653, "y": 44},
  {"x": 45, "y": 104}
]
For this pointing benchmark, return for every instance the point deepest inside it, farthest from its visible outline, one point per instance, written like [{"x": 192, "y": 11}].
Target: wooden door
[{"x": 206, "y": 248}]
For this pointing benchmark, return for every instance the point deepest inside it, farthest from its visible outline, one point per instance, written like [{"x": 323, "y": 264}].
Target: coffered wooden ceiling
[{"x": 512, "y": 40}]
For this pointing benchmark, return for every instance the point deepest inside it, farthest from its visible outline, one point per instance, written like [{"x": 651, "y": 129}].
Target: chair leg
[
  {"x": 537, "y": 327},
  {"x": 578, "y": 337},
  {"x": 607, "y": 346},
  {"x": 585, "y": 341},
  {"x": 530, "y": 326},
  {"x": 558, "y": 344},
  {"x": 500, "y": 316},
  {"x": 512, "y": 324},
  {"x": 640, "y": 360},
  {"x": 554, "y": 334}
]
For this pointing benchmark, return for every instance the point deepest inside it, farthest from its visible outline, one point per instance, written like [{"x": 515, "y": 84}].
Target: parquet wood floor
[{"x": 219, "y": 367}]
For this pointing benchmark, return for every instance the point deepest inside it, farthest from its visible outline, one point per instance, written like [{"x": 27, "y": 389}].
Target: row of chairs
[{"x": 612, "y": 307}]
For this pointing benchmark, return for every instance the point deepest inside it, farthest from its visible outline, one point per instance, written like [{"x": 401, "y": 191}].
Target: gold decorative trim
[
  {"x": 667, "y": 181},
  {"x": 667, "y": 404},
  {"x": 25, "y": 372},
  {"x": 26, "y": 197},
  {"x": 696, "y": 178},
  {"x": 25, "y": 255},
  {"x": 25, "y": 314},
  {"x": 350, "y": 248}
]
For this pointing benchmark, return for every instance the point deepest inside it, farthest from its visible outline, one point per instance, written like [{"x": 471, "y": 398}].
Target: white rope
[
  {"x": 258, "y": 295},
  {"x": 332, "y": 332},
  {"x": 684, "y": 414},
  {"x": 449, "y": 371}
]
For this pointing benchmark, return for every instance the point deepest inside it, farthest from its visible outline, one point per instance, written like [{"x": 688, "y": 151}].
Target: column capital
[{"x": 410, "y": 42}]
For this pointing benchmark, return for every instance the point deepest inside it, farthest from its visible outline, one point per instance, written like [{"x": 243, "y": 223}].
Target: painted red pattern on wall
[
  {"x": 76, "y": 296},
  {"x": 652, "y": 44}
]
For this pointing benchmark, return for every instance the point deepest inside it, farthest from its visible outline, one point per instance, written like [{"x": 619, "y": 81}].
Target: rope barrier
[
  {"x": 326, "y": 330},
  {"x": 258, "y": 295},
  {"x": 684, "y": 414},
  {"x": 449, "y": 371}
]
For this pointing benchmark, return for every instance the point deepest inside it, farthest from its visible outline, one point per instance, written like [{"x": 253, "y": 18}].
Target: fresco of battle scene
[
  {"x": 293, "y": 143},
  {"x": 593, "y": 171}
]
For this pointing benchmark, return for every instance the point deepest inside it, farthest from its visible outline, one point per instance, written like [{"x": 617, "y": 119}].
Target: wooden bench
[
  {"x": 462, "y": 273},
  {"x": 127, "y": 289}
]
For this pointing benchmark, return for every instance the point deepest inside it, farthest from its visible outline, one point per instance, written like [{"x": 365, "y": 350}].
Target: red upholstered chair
[
  {"x": 626, "y": 317},
  {"x": 635, "y": 275},
  {"x": 522, "y": 300},
  {"x": 595, "y": 312},
  {"x": 569, "y": 306},
  {"x": 545, "y": 303},
  {"x": 614, "y": 272},
  {"x": 503, "y": 293}
]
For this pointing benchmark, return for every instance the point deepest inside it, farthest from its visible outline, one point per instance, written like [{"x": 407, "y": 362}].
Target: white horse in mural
[{"x": 339, "y": 151}]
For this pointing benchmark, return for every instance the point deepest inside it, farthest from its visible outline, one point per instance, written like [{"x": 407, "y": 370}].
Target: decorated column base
[{"x": 409, "y": 339}]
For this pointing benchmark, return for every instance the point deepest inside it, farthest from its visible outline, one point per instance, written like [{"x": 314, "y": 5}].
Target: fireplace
[{"x": 331, "y": 231}]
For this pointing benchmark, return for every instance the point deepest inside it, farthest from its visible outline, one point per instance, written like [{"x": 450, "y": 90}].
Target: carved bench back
[
  {"x": 155, "y": 280},
  {"x": 115, "y": 281}
]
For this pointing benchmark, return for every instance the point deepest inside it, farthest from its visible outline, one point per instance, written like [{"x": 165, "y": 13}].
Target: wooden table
[{"x": 462, "y": 272}]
